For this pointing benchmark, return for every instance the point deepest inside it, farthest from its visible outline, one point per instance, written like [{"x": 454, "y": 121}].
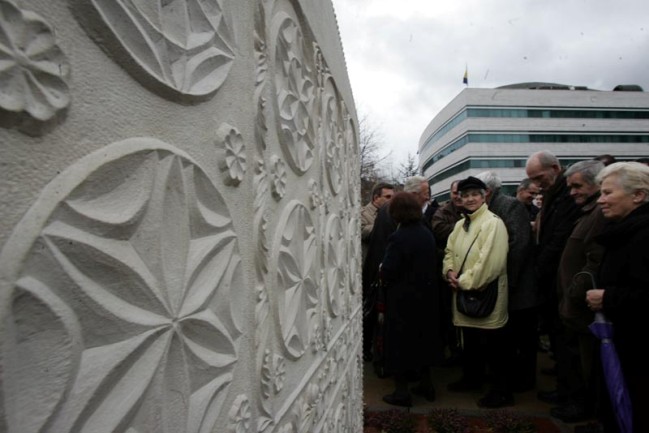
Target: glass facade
[
  {"x": 533, "y": 138},
  {"x": 545, "y": 113}
]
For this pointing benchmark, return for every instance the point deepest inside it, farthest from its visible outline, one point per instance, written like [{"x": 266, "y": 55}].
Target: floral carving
[
  {"x": 333, "y": 138},
  {"x": 139, "y": 247},
  {"x": 295, "y": 93},
  {"x": 295, "y": 247},
  {"x": 273, "y": 373},
  {"x": 335, "y": 259},
  {"x": 240, "y": 415},
  {"x": 315, "y": 198},
  {"x": 183, "y": 48},
  {"x": 33, "y": 69},
  {"x": 233, "y": 154},
  {"x": 278, "y": 173}
]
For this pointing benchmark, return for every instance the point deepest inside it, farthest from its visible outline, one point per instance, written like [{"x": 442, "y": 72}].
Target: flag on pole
[{"x": 465, "y": 80}]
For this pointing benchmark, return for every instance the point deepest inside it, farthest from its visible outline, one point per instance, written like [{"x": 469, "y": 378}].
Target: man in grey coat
[{"x": 524, "y": 295}]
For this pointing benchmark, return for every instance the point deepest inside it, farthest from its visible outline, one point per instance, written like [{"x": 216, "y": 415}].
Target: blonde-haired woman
[{"x": 623, "y": 278}]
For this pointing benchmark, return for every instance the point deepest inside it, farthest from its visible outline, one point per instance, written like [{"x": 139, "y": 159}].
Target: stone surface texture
[{"x": 179, "y": 191}]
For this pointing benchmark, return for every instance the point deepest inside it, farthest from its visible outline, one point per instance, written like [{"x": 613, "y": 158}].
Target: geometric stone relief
[
  {"x": 124, "y": 275},
  {"x": 294, "y": 92},
  {"x": 335, "y": 259},
  {"x": 182, "y": 49},
  {"x": 333, "y": 144},
  {"x": 34, "y": 72},
  {"x": 295, "y": 251}
]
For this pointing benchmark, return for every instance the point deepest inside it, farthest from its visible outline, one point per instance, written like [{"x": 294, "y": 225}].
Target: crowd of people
[{"x": 477, "y": 280}]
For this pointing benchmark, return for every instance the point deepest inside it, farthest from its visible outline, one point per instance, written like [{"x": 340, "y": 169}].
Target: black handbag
[{"x": 478, "y": 302}]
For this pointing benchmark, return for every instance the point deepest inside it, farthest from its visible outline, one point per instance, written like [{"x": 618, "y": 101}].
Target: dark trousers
[
  {"x": 522, "y": 330},
  {"x": 487, "y": 348}
]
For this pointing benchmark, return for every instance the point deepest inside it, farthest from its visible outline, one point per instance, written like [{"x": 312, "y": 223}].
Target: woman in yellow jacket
[{"x": 475, "y": 255}]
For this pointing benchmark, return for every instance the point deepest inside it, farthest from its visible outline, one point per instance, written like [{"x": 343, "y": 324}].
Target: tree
[{"x": 371, "y": 141}]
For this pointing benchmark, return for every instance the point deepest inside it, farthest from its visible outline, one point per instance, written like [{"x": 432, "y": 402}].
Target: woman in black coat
[
  {"x": 409, "y": 272},
  {"x": 623, "y": 278}
]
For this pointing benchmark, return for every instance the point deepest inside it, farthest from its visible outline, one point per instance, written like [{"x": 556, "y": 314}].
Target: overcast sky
[{"x": 406, "y": 58}]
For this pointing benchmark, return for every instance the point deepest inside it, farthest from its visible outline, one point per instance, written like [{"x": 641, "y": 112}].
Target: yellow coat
[{"x": 487, "y": 260}]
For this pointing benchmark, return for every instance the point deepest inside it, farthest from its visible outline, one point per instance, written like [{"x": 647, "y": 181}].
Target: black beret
[{"x": 471, "y": 183}]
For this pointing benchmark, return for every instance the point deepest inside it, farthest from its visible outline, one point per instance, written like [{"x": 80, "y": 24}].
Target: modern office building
[{"x": 497, "y": 129}]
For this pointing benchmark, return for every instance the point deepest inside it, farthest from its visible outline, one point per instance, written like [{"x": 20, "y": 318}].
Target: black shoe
[
  {"x": 551, "y": 397},
  {"x": 427, "y": 392},
  {"x": 463, "y": 385},
  {"x": 571, "y": 413},
  {"x": 395, "y": 400},
  {"x": 496, "y": 399}
]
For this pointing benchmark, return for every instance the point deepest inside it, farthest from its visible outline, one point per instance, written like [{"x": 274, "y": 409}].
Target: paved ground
[{"x": 526, "y": 403}]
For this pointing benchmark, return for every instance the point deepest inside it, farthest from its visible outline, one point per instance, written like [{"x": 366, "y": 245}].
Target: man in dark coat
[
  {"x": 524, "y": 297},
  {"x": 443, "y": 222},
  {"x": 557, "y": 218},
  {"x": 576, "y": 349}
]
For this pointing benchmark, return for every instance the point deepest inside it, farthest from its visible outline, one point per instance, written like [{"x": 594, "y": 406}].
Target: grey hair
[
  {"x": 525, "y": 184},
  {"x": 632, "y": 176},
  {"x": 413, "y": 184},
  {"x": 546, "y": 158},
  {"x": 490, "y": 179},
  {"x": 588, "y": 169}
]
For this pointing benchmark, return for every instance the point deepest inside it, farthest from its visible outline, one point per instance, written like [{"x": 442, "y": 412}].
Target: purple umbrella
[{"x": 602, "y": 328}]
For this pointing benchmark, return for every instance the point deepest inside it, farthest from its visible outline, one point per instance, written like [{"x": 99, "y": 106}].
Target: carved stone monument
[{"x": 179, "y": 191}]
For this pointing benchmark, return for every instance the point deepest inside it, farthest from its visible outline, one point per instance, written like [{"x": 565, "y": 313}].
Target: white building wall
[{"x": 179, "y": 191}]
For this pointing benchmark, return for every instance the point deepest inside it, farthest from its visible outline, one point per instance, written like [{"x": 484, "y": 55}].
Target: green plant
[
  {"x": 447, "y": 421},
  {"x": 505, "y": 421},
  {"x": 391, "y": 421}
]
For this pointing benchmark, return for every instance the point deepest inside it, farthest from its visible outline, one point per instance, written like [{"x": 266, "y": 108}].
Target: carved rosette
[
  {"x": 240, "y": 415},
  {"x": 183, "y": 49},
  {"x": 294, "y": 92},
  {"x": 232, "y": 154},
  {"x": 295, "y": 250},
  {"x": 124, "y": 274},
  {"x": 33, "y": 69}
]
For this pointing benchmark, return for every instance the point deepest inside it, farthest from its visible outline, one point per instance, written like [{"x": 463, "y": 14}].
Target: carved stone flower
[
  {"x": 33, "y": 69},
  {"x": 240, "y": 415},
  {"x": 278, "y": 177},
  {"x": 233, "y": 154}
]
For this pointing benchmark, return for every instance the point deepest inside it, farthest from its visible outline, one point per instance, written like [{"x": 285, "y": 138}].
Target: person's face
[
  {"x": 423, "y": 195},
  {"x": 580, "y": 190},
  {"x": 455, "y": 196},
  {"x": 615, "y": 202},
  {"x": 544, "y": 177},
  {"x": 472, "y": 199},
  {"x": 386, "y": 196},
  {"x": 527, "y": 195}
]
